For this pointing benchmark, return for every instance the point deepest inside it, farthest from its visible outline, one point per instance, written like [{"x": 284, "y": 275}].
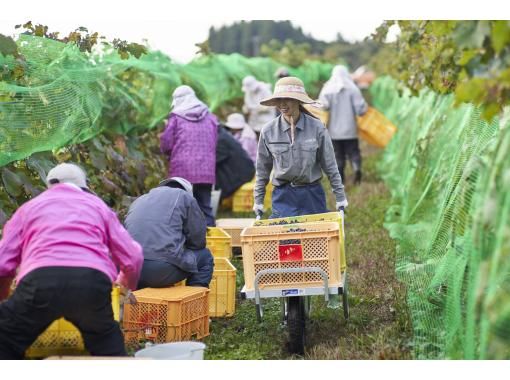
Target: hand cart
[{"x": 294, "y": 262}]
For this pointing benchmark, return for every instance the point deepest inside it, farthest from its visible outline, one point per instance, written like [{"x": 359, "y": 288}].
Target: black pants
[
  {"x": 160, "y": 274},
  {"x": 348, "y": 150},
  {"x": 80, "y": 295},
  {"x": 202, "y": 193}
]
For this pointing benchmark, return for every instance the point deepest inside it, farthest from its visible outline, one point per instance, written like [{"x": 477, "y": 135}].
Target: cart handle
[{"x": 288, "y": 270}]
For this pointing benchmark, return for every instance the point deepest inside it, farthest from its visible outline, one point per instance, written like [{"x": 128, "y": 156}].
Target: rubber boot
[{"x": 357, "y": 177}]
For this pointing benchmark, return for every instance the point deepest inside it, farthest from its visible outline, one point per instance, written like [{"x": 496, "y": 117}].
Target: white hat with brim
[
  {"x": 67, "y": 173},
  {"x": 179, "y": 181},
  {"x": 289, "y": 87},
  {"x": 235, "y": 121}
]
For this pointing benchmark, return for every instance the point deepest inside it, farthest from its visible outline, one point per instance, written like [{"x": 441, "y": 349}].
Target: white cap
[
  {"x": 67, "y": 173},
  {"x": 183, "y": 183},
  {"x": 248, "y": 83},
  {"x": 236, "y": 121}
]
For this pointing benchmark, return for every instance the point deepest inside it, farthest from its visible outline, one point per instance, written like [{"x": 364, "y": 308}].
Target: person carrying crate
[
  {"x": 298, "y": 148},
  {"x": 67, "y": 245},
  {"x": 344, "y": 100},
  {"x": 171, "y": 228}
]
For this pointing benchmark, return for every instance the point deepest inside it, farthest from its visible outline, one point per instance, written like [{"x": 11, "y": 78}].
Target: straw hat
[
  {"x": 289, "y": 87},
  {"x": 236, "y": 121},
  {"x": 67, "y": 173}
]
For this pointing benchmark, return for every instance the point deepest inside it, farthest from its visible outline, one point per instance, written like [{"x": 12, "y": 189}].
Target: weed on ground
[{"x": 379, "y": 324}]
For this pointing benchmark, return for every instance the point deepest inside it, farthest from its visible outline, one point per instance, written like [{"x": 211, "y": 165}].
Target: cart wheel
[
  {"x": 345, "y": 301},
  {"x": 296, "y": 323}
]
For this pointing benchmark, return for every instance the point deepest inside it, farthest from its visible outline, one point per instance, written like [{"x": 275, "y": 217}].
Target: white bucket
[
  {"x": 173, "y": 351},
  {"x": 215, "y": 200}
]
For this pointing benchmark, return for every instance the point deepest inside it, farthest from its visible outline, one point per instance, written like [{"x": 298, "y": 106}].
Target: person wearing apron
[{"x": 297, "y": 147}]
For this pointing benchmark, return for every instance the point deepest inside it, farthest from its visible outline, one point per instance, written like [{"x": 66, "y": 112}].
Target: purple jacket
[{"x": 189, "y": 141}]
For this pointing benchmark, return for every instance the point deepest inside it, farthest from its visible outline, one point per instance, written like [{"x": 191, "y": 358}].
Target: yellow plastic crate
[
  {"x": 222, "y": 296},
  {"x": 63, "y": 338},
  {"x": 243, "y": 198},
  {"x": 226, "y": 203},
  {"x": 375, "y": 128},
  {"x": 319, "y": 113},
  {"x": 234, "y": 227},
  {"x": 219, "y": 242},
  {"x": 324, "y": 217},
  {"x": 301, "y": 245},
  {"x": 163, "y": 315}
]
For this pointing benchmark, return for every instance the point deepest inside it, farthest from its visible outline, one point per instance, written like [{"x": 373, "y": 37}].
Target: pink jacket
[
  {"x": 65, "y": 226},
  {"x": 189, "y": 141}
]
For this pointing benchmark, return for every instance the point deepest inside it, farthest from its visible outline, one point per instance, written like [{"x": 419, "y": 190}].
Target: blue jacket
[{"x": 169, "y": 225}]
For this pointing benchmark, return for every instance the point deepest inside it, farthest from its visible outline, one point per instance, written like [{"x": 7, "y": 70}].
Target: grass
[{"x": 379, "y": 326}]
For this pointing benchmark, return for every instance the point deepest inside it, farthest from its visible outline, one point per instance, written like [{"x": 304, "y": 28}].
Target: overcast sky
[
  {"x": 175, "y": 26},
  {"x": 176, "y": 38}
]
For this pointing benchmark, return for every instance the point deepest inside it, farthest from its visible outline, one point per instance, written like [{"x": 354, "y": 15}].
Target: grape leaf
[
  {"x": 8, "y": 46},
  {"x": 471, "y": 34},
  {"x": 12, "y": 183},
  {"x": 500, "y": 35}
]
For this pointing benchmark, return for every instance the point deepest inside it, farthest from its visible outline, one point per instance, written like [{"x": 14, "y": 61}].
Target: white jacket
[{"x": 258, "y": 115}]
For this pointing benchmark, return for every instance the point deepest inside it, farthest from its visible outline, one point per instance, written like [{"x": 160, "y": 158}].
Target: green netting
[
  {"x": 67, "y": 96},
  {"x": 449, "y": 174}
]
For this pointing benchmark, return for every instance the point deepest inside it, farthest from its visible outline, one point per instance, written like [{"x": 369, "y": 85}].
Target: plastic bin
[
  {"x": 324, "y": 217},
  {"x": 291, "y": 246},
  {"x": 166, "y": 315},
  {"x": 234, "y": 227},
  {"x": 173, "y": 351},
  {"x": 243, "y": 198},
  {"x": 226, "y": 203},
  {"x": 219, "y": 242},
  {"x": 63, "y": 338},
  {"x": 222, "y": 296},
  {"x": 375, "y": 128}
]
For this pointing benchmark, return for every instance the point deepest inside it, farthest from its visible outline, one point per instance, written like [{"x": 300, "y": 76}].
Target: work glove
[
  {"x": 340, "y": 207},
  {"x": 259, "y": 210}
]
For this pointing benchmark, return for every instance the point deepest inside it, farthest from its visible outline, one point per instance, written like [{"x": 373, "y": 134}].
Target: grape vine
[{"x": 468, "y": 58}]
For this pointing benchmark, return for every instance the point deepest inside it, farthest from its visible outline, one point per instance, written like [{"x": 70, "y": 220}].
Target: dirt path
[{"x": 379, "y": 326}]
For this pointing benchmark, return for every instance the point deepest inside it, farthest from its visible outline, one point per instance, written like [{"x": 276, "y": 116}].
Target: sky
[
  {"x": 177, "y": 37},
  {"x": 175, "y": 26}
]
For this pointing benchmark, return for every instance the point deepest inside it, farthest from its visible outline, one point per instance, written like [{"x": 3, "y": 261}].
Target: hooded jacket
[
  {"x": 344, "y": 100},
  {"x": 189, "y": 141},
  {"x": 254, "y": 92}
]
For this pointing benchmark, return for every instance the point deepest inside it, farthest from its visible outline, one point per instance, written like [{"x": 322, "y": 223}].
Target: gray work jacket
[
  {"x": 169, "y": 225},
  {"x": 343, "y": 108},
  {"x": 300, "y": 163}
]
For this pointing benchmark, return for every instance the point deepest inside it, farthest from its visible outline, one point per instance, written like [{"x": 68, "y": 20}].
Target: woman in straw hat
[{"x": 297, "y": 147}]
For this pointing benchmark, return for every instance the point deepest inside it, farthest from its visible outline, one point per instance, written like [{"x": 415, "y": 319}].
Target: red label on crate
[{"x": 290, "y": 252}]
